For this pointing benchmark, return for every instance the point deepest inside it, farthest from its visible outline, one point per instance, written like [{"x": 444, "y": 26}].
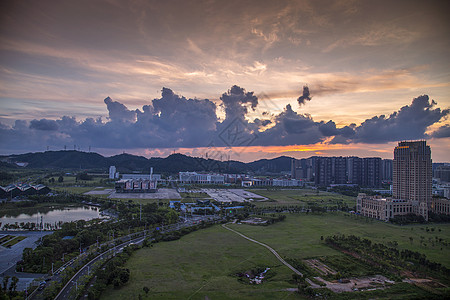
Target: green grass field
[
  {"x": 13, "y": 241},
  {"x": 200, "y": 263},
  {"x": 299, "y": 235},
  {"x": 301, "y": 197}
]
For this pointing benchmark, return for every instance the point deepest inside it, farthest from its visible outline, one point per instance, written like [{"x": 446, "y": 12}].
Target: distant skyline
[{"x": 246, "y": 79}]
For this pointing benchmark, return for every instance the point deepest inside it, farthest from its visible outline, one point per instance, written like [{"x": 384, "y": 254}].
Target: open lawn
[
  {"x": 299, "y": 235},
  {"x": 73, "y": 189},
  {"x": 200, "y": 263},
  {"x": 13, "y": 241},
  {"x": 302, "y": 197}
]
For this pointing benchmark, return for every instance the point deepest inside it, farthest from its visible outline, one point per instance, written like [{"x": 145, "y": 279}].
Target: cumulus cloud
[
  {"x": 442, "y": 132},
  {"x": 44, "y": 124},
  {"x": 306, "y": 96},
  {"x": 173, "y": 121},
  {"x": 118, "y": 111},
  {"x": 410, "y": 122},
  {"x": 235, "y": 100}
]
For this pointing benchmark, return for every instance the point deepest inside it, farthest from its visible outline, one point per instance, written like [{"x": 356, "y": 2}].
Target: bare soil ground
[
  {"x": 320, "y": 267},
  {"x": 353, "y": 284}
]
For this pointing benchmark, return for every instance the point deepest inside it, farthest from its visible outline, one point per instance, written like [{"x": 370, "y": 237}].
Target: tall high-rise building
[
  {"x": 112, "y": 172},
  {"x": 371, "y": 172},
  {"x": 412, "y": 175},
  {"x": 386, "y": 169}
]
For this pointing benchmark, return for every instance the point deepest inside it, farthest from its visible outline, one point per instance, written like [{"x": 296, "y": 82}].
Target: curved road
[{"x": 268, "y": 247}]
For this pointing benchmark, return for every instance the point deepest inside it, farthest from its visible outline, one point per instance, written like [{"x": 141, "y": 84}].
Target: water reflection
[{"x": 49, "y": 217}]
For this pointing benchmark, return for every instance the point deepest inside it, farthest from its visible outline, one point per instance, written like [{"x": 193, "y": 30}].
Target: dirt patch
[
  {"x": 322, "y": 268},
  {"x": 356, "y": 284},
  {"x": 425, "y": 282},
  {"x": 255, "y": 276}
]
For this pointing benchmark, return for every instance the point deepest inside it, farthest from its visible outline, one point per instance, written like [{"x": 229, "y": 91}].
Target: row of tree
[
  {"x": 387, "y": 257},
  {"x": 9, "y": 292}
]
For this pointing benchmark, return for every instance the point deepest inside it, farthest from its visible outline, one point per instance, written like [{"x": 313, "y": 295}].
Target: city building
[
  {"x": 142, "y": 176},
  {"x": 248, "y": 182},
  {"x": 112, "y": 173},
  {"x": 442, "y": 173},
  {"x": 440, "y": 206},
  {"x": 303, "y": 168},
  {"x": 386, "y": 169},
  {"x": 381, "y": 208},
  {"x": 412, "y": 185},
  {"x": 200, "y": 178},
  {"x": 412, "y": 175},
  {"x": 326, "y": 171},
  {"x": 23, "y": 189},
  {"x": 136, "y": 186}
]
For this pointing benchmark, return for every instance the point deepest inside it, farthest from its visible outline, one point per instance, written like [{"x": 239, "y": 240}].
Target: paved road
[
  {"x": 86, "y": 269},
  {"x": 10, "y": 256},
  {"x": 268, "y": 247}
]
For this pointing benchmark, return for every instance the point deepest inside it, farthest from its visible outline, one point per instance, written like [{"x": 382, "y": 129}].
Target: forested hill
[{"x": 127, "y": 162}]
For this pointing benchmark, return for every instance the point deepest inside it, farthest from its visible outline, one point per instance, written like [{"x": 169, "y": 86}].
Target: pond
[{"x": 51, "y": 218}]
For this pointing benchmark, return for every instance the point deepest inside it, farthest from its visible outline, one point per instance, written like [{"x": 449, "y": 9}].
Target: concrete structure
[
  {"x": 412, "y": 185},
  {"x": 248, "y": 182},
  {"x": 303, "y": 168},
  {"x": 381, "y": 208},
  {"x": 386, "y": 169},
  {"x": 136, "y": 186},
  {"x": 440, "y": 206},
  {"x": 442, "y": 173},
  {"x": 199, "y": 178},
  {"x": 142, "y": 176},
  {"x": 367, "y": 172},
  {"x": 112, "y": 173},
  {"x": 412, "y": 175},
  {"x": 23, "y": 189}
]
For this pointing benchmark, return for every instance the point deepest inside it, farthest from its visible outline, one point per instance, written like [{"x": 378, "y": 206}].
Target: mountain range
[{"x": 131, "y": 163}]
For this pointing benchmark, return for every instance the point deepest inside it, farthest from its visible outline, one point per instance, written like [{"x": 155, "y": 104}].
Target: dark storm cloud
[
  {"x": 442, "y": 132},
  {"x": 234, "y": 101},
  {"x": 291, "y": 128},
  {"x": 44, "y": 124},
  {"x": 118, "y": 111},
  {"x": 173, "y": 121},
  {"x": 306, "y": 96},
  {"x": 410, "y": 122}
]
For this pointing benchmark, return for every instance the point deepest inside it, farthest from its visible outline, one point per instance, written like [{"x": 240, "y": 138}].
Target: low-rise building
[
  {"x": 142, "y": 176},
  {"x": 381, "y": 208},
  {"x": 201, "y": 178},
  {"x": 249, "y": 182},
  {"x": 440, "y": 206},
  {"x": 136, "y": 186}
]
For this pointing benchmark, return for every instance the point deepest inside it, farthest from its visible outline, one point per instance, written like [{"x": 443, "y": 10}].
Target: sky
[{"x": 240, "y": 80}]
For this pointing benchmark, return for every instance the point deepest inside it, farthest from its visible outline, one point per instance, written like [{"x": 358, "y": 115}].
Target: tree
[
  {"x": 172, "y": 216},
  {"x": 60, "y": 179},
  {"x": 5, "y": 282},
  {"x": 14, "y": 281}
]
